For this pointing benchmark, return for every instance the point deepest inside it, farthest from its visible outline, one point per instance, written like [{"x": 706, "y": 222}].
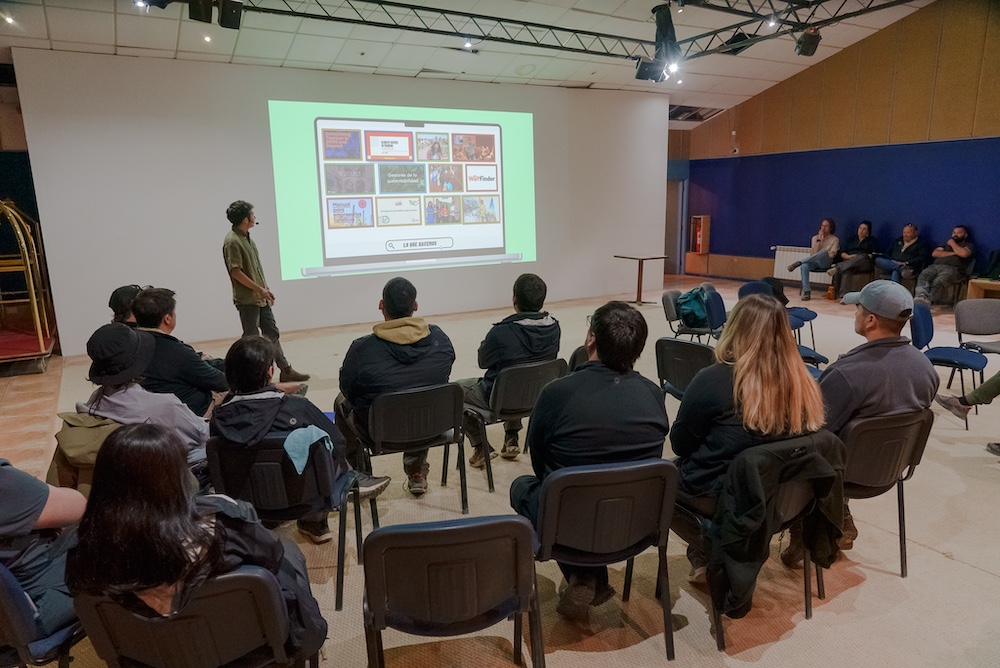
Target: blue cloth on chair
[{"x": 299, "y": 442}]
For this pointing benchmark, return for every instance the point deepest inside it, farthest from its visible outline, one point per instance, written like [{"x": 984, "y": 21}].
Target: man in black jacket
[
  {"x": 175, "y": 368},
  {"x": 403, "y": 352},
  {"x": 530, "y": 335},
  {"x": 906, "y": 258}
]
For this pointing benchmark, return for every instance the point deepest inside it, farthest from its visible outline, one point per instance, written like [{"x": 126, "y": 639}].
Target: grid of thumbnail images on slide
[{"x": 396, "y": 179}]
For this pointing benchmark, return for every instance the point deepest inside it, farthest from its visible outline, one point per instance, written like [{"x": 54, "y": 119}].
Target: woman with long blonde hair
[{"x": 758, "y": 390}]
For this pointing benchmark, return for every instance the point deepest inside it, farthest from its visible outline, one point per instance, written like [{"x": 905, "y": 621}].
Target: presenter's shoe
[
  {"x": 577, "y": 598},
  {"x": 370, "y": 486},
  {"x": 993, "y": 449},
  {"x": 510, "y": 448},
  {"x": 477, "y": 460},
  {"x": 290, "y": 375},
  {"x": 416, "y": 482},
  {"x": 793, "y": 266},
  {"x": 806, "y": 296},
  {"x": 954, "y": 405},
  {"x": 317, "y": 532}
]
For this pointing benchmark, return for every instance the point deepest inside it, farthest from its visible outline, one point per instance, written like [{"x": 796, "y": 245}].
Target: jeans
[
  {"x": 891, "y": 267},
  {"x": 474, "y": 395},
  {"x": 821, "y": 261},
  {"x": 260, "y": 320}
]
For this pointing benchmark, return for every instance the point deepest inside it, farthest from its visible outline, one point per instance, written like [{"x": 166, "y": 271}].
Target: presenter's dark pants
[
  {"x": 524, "y": 495},
  {"x": 259, "y": 320}
]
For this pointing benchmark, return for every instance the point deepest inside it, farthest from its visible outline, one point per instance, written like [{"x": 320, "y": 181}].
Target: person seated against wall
[
  {"x": 120, "y": 304},
  {"x": 119, "y": 357},
  {"x": 256, "y": 410},
  {"x": 529, "y": 335},
  {"x": 906, "y": 258},
  {"x": 857, "y": 257},
  {"x": 176, "y": 368},
  {"x": 149, "y": 541},
  {"x": 603, "y": 412},
  {"x": 36, "y": 530},
  {"x": 758, "y": 391},
  {"x": 951, "y": 262},
  {"x": 825, "y": 246}
]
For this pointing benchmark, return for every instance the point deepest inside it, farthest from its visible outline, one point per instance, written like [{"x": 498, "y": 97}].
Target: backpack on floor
[{"x": 691, "y": 308}]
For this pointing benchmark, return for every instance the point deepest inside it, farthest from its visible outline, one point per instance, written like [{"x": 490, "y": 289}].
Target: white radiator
[{"x": 785, "y": 255}]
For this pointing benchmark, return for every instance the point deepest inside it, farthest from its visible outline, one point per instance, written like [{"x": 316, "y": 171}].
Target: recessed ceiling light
[
  {"x": 140, "y": 3},
  {"x": 679, "y": 82},
  {"x": 673, "y": 67},
  {"x": 8, "y": 19},
  {"x": 207, "y": 38}
]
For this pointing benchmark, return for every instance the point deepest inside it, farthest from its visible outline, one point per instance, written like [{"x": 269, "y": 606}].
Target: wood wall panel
[
  {"x": 678, "y": 144},
  {"x": 963, "y": 37},
  {"x": 748, "y": 124},
  {"x": 776, "y": 117},
  {"x": 913, "y": 87},
  {"x": 806, "y": 105},
  {"x": 840, "y": 86},
  {"x": 721, "y": 137},
  {"x": 876, "y": 69},
  {"x": 734, "y": 266},
  {"x": 987, "y": 121},
  {"x": 701, "y": 140}
]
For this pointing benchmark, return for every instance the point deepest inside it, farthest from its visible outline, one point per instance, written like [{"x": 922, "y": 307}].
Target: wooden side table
[
  {"x": 640, "y": 260},
  {"x": 983, "y": 288}
]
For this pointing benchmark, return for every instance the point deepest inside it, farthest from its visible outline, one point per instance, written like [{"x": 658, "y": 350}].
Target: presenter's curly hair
[
  {"x": 248, "y": 364},
  {"x": 399, "y": 298},
  {"x": 238, "y": 210},
  {"x": 529, "y": 292},
  {"x": 772, "y": 389},
  {"x": 620, "y": 334}
]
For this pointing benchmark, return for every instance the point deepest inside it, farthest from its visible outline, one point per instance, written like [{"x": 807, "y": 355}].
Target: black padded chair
[
  {"x": 608, "y": 513},
  {"x": 882, "y": 453},
  {"x": 451, "y": 578},
  {"x": 677, "y": 326},
  {"x": 677, "y": 362},
  {"x": 265, "y": 477},
  {"x": 794, "y": 497},
  {"x": 235, "y": 619},
  {"x": 513, "y": 397},
  {"x": 715, "y": 307},
  {"x": 579, "y": 357},
  {"x": 20, "y": 643},
  {"x": 978, "y": 317}
]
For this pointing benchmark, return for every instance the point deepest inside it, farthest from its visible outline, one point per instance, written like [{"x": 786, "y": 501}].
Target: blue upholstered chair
[{"x": 20, "y": 644}]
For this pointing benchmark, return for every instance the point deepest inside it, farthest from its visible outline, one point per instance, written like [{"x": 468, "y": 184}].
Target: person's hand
[{"x": 268, "y": 297}]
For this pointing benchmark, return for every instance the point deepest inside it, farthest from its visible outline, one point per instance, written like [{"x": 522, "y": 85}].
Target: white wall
[{"x": 135, "y": 160}]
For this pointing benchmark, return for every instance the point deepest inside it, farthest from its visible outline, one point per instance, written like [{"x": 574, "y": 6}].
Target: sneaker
[
  {"x": 603, "y": 594},
  {"x": 793, "y": 266},
  {"x": 510, "y": 447},
  {"x": 370, "y": 486},
  {"x": 317, "y": 532},
  {"x": 832, "y": 271},
  {"x": 477, "y": 460},
  {"x": 993, "y": 449},
  {"x": 698, "y": 575},
  {"x": 577, "y": 597},
  {"x": 290, "y": 375},
  {"x": 954, "y": 405},
  {"x": 806, "y": 296},
  {"x": 416, "y": 483}
]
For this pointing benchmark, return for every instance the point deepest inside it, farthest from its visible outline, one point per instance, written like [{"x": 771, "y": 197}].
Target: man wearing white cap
[{"x": 885, "y": 375}]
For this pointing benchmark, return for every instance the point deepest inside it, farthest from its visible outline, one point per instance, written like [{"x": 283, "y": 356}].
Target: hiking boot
[
  {"x": 806, "y": 296},
  {"x": 510, "y": 448},
  {"x": 290, "y": 375},
  {"x": 317, "y": 532},
  {"x": 832, "y": 271},
  {"x": 846, "y": 542},
  {"x": 477, "y": 460},
  {"x": 576, "y": 599},
  {"x": 993, "y": 449},
  {"x": 957, "y": 408},
  {"x": 794, "y": 553},
  {"x": 603, "y": 594},
  {"x": 416, "y": 483},
  {"x": 370, "y": 486},
  {"x": 793, "y": 266}
]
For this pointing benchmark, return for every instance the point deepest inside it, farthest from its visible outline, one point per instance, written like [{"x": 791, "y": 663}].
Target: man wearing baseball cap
[{"x": 883, "y": 376}]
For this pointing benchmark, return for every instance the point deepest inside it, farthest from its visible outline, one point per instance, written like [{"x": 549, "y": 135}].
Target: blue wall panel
[{"x": 760, "y": 201}]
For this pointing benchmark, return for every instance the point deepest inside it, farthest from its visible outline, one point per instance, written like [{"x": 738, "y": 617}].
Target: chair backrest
[
  {"x": 884, "y": 449},
  {"x": 17, "y": 619},
  {"x": 755, "y": 288},
  {"x": 707, "y": 286},
  {"x": 607, "y": 509},
  {"x": 579, "y": 357},
  {"x": 265, "y": 477},
  {"x": 517, "y": 387},
  {"x": 399, "y": 420},
  {"x": 979, "y": 317},
  {"x": 716, "y": 310},
  {"x": 921, "y": 325},
  {"x": 677, "y": 362},
  {"x": 669, "y": 300},
  {"x": 228, "y": 617},
  {"x": 450, "y": 577}
]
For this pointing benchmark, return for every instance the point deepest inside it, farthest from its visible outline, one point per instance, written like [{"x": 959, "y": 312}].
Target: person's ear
[{"x": 415, "y": 306}]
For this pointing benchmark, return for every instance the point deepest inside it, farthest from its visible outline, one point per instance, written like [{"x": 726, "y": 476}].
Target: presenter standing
[{"x": 252, "y": 297}]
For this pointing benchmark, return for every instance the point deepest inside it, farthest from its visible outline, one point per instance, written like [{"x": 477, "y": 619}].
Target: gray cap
[{"x": 884, "y": 298}]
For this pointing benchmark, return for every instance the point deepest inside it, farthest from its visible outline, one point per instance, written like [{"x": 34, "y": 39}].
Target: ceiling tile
[
  {"x": 305, "y": 65},
  {"x": 363, "y": 54},
  {"x": 625, "y": 28},
  {"x": 393, "y": 72},
  {"x": 598, "y": 6},
  {"x": 537, "y": 12},
  {"x": 147, "y": 32},
  {"x": 526, "y": 67},
  {"x": 845, "y": 34},
  {"x": 83, "y": 47},
  {"x": 145, "y": 53},
  {"x": 211, "y": 57},
  {"x": 76, "y": 25},
  {"x": 248, "y": 60},
  {"x": 29, "y": 21},
  {"x": 359, "y": 69},
  {"x": 314, "y": 48},
  {"x": 276, "y": 22},
  {"x": 376, "y": 34},
  {"x": 172, "y": 11},
  {"x": 324, "y": 28},
  {"x": 881, "y": 18},
  {"x": 561, "y": 68},
  {"x": 405, "y": 56},
  {"x": 193, "y": 33},
  {"x": 94, "y": 5},
  {"x": 30, "y": 42},
  {"x": 265, "y": 44}
]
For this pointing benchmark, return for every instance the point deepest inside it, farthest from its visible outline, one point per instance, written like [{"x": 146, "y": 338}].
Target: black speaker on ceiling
[
  {"x": 807, "y": 42},
  {"x": 230, "y": 12},
  {"x": 200, "y": 10}
]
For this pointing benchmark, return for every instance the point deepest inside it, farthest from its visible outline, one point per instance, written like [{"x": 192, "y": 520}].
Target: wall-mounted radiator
[{"x": 785, "y": 255}]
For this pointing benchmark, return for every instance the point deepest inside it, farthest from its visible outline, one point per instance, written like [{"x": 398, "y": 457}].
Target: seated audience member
[
  {"x": 403, "y": 352},
  {"x": 603, "y": 412},
  {"x": 824, "y": 248},
  {"x": 984, "y": 394},
  {"x": 119, "y": 357},
  {"x": 175, "y": 368},
  {"x": 148, "y": 541},
  {"x": 35, "y": 532},
  {"x": 530, "y": 335},
  {"x": 951, "y": 261},
  {"x": 885, "y": 375},
  {"x": 758, "y": 391},
  {"x": 121, "y": 304},
  {"x": 856, "y": 257},
  {"x": 906, "y": 257},
  {"x": 256, "y": 410}
]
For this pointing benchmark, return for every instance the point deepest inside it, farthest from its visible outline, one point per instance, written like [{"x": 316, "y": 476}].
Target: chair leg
[
  {"x": 64, "y": 658},
  {"x": 444, "y": 465},
  {"x": 357, "y": 523},
  {"x": 342, "y": 540},
  {"x": 517, "y": 637},
  {"x": 902, "y": 529},
  {"x": 820, "y": 588},
  {"x": 961, "y": 379},
  {"x": 720, "y": 637},
  {"x": 628, "y": 579},
  {"x": 807, "y": 581},
  {"x": 535, "y": 625},
  {"x": 486, "y": 452},
  {"x": 372, "y": 644},
  {"x": 462, "y": 477},
  {"x": 663, "y": 588},
  {"x": 951, "y": 377},
  {"x": 314, "y": 660},
  {"x": 812, "y": 334}
]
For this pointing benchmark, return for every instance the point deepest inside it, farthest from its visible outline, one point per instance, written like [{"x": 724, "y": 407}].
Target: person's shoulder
[{"x": 438, "y": 334}]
